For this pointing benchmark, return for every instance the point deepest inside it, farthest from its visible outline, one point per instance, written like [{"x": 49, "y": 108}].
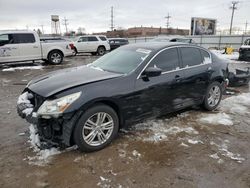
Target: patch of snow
[
  {"x": 239, "y": 104},
  {"x": 21, "y": 134},
  {"x": 183, "y": 144},
  {"x": 24, "y": 98},
  {"x": 223, "y": 150},
  {"x": 42, "y": 157},
  {"x": 22, "y": 68},
  {"x": 136, "y": 154},
  {"x": 229, "y": 57},
  {"x": 217, "y": 119},
  {"x": 104, "y": 182},
  {"x": 214, "y": 156},
  {"x": 192, "y": 141},
  {"x": 28, "y": 111}
]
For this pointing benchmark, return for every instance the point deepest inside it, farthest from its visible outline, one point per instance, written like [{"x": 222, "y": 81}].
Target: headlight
[{"x": 58, "y": 106}]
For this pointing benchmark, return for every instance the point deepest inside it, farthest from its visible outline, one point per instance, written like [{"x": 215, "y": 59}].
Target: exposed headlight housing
[{"x": 57, "y": 106}]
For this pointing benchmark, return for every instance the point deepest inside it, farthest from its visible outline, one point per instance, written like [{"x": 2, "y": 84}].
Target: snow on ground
[
  {"x": 220, "y": 118},
  {"x": 233, "y": 56},
  {"x": 12, "y": 69},
  {"x": 223, "y": 150},
  {"x": 42, "y": 157},
  {"x": 159, "y": 130},
  {"x": 239, "y": 104}
]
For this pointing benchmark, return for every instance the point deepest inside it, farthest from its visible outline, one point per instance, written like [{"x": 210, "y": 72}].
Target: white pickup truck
[{"x": 18, "y": 46}]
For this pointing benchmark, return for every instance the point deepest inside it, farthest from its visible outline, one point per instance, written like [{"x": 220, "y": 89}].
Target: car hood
[{"x": 56, "y": 81}]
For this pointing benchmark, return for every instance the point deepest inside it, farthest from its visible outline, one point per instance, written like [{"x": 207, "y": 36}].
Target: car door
[
  {"x": 82, "y": 44},
  {"x": 30, "y": 49},
  {"x": 93, "y": 43},
  {"x": 161, "y": 94},
  {"x": 9, "y": 49},
  {"x": 196, "y": 64}
]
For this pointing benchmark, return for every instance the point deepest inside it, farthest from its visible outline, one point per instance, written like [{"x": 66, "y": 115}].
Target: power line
[
  {"x": 65, "y": 23},
  {"x": 233, "y": 7},
  {"x": 168, "y": 18},
  {"x": 112, "y": 19}
]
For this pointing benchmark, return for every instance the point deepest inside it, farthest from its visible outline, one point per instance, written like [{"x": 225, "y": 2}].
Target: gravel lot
[{"x": 192, "y": 148}]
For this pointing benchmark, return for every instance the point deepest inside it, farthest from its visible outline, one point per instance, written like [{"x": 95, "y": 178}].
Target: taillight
[{"x": 72, "y": 46}]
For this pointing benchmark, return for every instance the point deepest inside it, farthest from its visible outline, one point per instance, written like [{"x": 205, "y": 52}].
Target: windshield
[{"x": 121, "y": 60}]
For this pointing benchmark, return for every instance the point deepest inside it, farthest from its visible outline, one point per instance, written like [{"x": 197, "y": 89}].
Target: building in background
[
  {"x": 144, "y": 32},
  {"x": 203, "y": 26}
]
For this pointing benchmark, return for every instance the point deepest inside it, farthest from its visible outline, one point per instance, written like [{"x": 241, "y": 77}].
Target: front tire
[
  {"x": 55, "y": 57},
  {"x": 213, "y": 96},
  {"x": 96, "y": 128},
  {"x": 101, "y": 50}
]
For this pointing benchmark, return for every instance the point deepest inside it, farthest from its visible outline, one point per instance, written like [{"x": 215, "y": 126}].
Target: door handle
[
  {"x": 35, "y": 46},
  {"x": 177, "y": 78}
]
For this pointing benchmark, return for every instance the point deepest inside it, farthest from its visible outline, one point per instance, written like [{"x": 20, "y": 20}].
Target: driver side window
[
  {"x": 167, "y": 60},
  {"x": 83, "y": 39}
]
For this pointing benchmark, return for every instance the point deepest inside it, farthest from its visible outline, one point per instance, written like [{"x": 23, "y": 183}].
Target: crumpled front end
[{"x": 52, "y": 131}]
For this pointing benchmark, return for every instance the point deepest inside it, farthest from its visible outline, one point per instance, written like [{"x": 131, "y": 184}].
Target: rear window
[
  {"x": 92, "y": 39},
  {"x": 190, "y": 56},
  {"x": 103, "y": 38},
  {"x": 23, "y": 38},
  {"x": 205, "y": 57}
]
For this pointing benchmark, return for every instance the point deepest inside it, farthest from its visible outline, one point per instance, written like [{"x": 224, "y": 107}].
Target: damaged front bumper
[
  {"x": 53, "y": 131},
  {"x": 239, "y": 78}
]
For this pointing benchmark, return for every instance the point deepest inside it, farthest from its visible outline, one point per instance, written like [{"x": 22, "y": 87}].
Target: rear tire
[
  {"x": 213, "y": 96},
  {"x": 96, "y": 128},
  {"x": 55, "y": 57},
  {"x": 101, "y": 50}
]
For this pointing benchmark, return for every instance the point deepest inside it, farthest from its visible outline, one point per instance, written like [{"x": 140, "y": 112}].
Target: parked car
[
  {"x": 87, "y": 105},
  {"x": 94, "y": 44},
  {"x": 117, "y": 42},
  {"x": 244, "y": 51},
  {"x": 16, "y": 46}
]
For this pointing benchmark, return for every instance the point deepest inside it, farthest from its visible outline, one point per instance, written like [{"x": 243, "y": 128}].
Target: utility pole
[
  {"x": 112, "y": 19},
  {"x": 233, "y": 7},
  {"x": 65, "y": 23},
  {"x": 168, "y": 18},
  {"x": 42, "y": 28},
  {"x": 246, "y": 27}
]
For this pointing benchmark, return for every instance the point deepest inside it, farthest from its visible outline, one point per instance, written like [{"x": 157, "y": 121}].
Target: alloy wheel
[
  {"x": 56, "y": 58},
  {"x": 214, "y": 96},
  {"x": 97, "y": 129}
]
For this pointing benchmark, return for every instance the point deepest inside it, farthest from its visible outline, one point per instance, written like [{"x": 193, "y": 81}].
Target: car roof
[
  {"x": 117, "y": 39},
  {"x": 156, "y": 46},
  {"x": 15, "y": 31}
]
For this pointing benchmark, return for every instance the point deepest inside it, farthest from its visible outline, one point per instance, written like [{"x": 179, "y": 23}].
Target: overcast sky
[{"x": 94, "y": 15}]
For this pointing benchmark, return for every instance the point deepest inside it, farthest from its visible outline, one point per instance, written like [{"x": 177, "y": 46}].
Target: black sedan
[
  {"x": 117, "y": 42},
  {"x": 87, "y": 105}
]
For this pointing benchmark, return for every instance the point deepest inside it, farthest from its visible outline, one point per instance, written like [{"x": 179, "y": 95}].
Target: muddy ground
[{"x": 193, "y": 154}]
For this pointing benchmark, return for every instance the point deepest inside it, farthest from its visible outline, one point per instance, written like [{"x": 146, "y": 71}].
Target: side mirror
[{"x": 152, "y": 72}]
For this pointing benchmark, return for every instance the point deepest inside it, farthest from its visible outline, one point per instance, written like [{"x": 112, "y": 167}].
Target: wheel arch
[
  {"x": 55, "y": 50},
  {"x": 104, "y": 101},
  {"x": 101, "y": 46}
]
